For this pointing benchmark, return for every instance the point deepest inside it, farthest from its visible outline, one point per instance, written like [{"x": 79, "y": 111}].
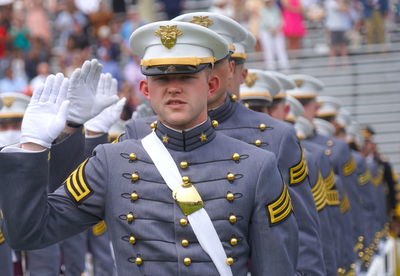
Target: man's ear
[
  {"x": 231, "y": 66},
  {"x": 213, "y": 84},
  {"x": 286, "y": 110},
  {"x": 245, "y": 71},
  {"x": 144, "y": 88}
]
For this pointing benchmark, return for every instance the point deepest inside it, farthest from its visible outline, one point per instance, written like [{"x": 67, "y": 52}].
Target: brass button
[
  {"x": 185, "y": 179},
  {"x": 132, "y": 239},
  {"x": 233, "y": 241},
  {"x": 134, "y": 196},
  {"x": 235, "y": 156},
  {"x": 262, "y": 127},
  {"x": 233, "y": 98},
  {"x": 232, "y": 218},
  {"x": 328, "y": 152},
  {"x": 230, "y": 196},
  {"x": 183, "y": 222},
  {"x": 230, "y": 261},
  {"x": 184, "y": 164},
  {"x": 214, "y": 123},
  {"x": 246, "y": 105},
  {"x": 187, "y": 261},
  {"x": 360, "y": 238},
  {"x": 353, "y": 266},
  {"x": 134, "y": 177},
  {"x": 130, "y": 217},
  {"x": 329, "y": 143},
  {"x": 138, "y": 261},
  {"x": 258, "y": 143},
  {"x": 153, "y": 125},
  {"x": 132, "y": 156},
  {"x": 185, "y": 243},
  {"x": 361, "y": 254},
  {"x": 230, "y": 176}
]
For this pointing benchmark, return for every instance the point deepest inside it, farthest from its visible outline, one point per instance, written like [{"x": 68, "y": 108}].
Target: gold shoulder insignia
[
  {"x": 319, "y": 193},
  {"x": 299, "y": 82},
  {"x": 345, "y": 204},
  {"x": 299, "y": 171},
  {"x": 202, "y": 21},
  {"x": 2, "y": 239},
  {"x": 378, "y": 178},
  {"x": 76, "y": 185},
  {"x": 251, "y": 79},
  {"x": 332, "y": 195},
  {"x": 364, "y": 177},
  {"x": 168, "y": 35},
  {"x": 349, "y": 167},
  {"x": 100, "y": 228},
  {"x": 280, "y": 208}
]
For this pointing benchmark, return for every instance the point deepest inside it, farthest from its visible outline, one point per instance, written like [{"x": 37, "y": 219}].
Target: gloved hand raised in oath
[
  {"x": 86, "y": 100},
  {"x": 46, "y": 113}
]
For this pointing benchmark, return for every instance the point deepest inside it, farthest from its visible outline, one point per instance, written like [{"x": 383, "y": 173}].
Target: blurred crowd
[{"x": 40, "y": 37}]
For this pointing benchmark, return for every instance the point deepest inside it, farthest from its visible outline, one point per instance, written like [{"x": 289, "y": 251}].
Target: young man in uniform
[{"x": 228, "y": 203}]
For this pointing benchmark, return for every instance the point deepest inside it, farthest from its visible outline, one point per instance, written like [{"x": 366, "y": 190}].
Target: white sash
[{"x": 199, "y": 220}]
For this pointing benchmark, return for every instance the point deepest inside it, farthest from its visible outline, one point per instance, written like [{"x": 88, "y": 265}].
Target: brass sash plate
[{"x": 188, "y": 199}]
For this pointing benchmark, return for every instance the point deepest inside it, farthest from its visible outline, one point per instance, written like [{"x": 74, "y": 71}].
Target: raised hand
[
  {"x": 82, "y": 93},
  {"x": 46, "y": 113},
  {"x": 102, "y": 123}
]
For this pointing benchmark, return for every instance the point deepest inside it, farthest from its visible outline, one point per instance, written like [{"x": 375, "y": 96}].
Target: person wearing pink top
[{"x": 293, "y": 26}]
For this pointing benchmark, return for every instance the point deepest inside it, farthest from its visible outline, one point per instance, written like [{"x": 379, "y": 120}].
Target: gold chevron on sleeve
[
  {"x": 100, "y": 228},
  {"x": 117, "y": 139},
  {"x": 378, "y": 178},
  {"x": 349, "y": 167},
  {"x": 319, "y": 193},
  {"x": 2, "y": 239},
  {"x": 364, "y": 177},
  {"x": 332, "y": 195},
  {"x": 280, "y": 208},
  {"x": 345, "y": 204},
  {"x": 76, "y": 185},
  {"x": 298, "y": 172}
]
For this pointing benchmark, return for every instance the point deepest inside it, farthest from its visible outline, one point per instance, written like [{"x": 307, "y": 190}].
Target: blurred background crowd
[{"x": 39, "y": 37}]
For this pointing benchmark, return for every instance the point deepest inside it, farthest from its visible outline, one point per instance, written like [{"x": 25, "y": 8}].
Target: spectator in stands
[
  {"x": 223, "y": 7},
  {"x": 10, "y": 83},
  {"x": 39, "y": 52},
  {"x": 375, "y": 12},
  {"x": 293, "y": 25},
  {"x": 43, "y": 70},
  {"x": 173, "y": 8},
  {"x": 271, "y": 37},
  {"x": 38, "y": 21},
  {"x": 78, "y": 39},
  {"x": 102, "y": 17},
  {"x": 338, "y": 21},
  {"x": 132, "y": 22},
  {"x": 19, "y": 34}
]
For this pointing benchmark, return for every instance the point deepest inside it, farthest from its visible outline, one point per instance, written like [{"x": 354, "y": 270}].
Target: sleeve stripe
[
  {"x": 332, "y": 195},
  {"x": 298, "y": 172},
  {"x": 280, "y": 208},
  {"x": 364, "y": 177},
  {"x": 345, "y": 204},
  {"x": 76, "y": 184},
  {"x": 319, "y": 193},
  {"x": 99, "y": 228},
  {"x": 349, "y": 167},
  {"x": 2, "y": 239}
]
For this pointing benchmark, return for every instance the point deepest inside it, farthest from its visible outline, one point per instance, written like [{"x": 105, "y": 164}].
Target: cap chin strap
[{"x": 199, "y": 220}]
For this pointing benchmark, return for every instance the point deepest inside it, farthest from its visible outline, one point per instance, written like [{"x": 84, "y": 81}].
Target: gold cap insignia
[
  {"x": 202, "y": 21},
  {"x": 299, "y": 82},
  {"x": 171, "y": 69},
  {"x": 251, "y": 79},
  {"x": 168, "y": 35},
  {"x": 8, "y": 101}
]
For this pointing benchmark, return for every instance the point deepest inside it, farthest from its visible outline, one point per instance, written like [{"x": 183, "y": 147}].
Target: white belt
[{"x": 199, "y": 220}]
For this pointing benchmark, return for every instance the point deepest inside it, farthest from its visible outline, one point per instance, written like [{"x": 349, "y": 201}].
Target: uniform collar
[
  {"x": 186, "y": 140},
  {"x": 224, "y": 111}
]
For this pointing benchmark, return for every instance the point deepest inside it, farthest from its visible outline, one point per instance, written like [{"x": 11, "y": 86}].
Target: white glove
[
  {"x": 86, "y": 100},
  {"x": 103, "y": 122},
  {"x": 46, "y": 113}
]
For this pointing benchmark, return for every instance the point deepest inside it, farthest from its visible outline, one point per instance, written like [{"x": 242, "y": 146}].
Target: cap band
[
  {"x": 255, "y": 94},
  {"x": 194, "y": 61},
  {"x": 239, "y": 55},
  {"x": 11, "y": 115}
]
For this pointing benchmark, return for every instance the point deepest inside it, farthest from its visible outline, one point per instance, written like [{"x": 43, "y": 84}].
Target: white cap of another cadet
[
  {"x": 259, "y": 88},
  {"x": 329, "y": 106},
  {"x": 324, "y": 127},
  {"x": 344, "y": 117},
  {"x": 296, "y": 109},
  {"x": 226, "y": 27},
  {"x": 307, "y": 87},
  {"x": 167, "y": 47},
  {"x": 285, "y": 81},
  {"x": 13, "y": 106},
  {"x": 243, "y": 47}
]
